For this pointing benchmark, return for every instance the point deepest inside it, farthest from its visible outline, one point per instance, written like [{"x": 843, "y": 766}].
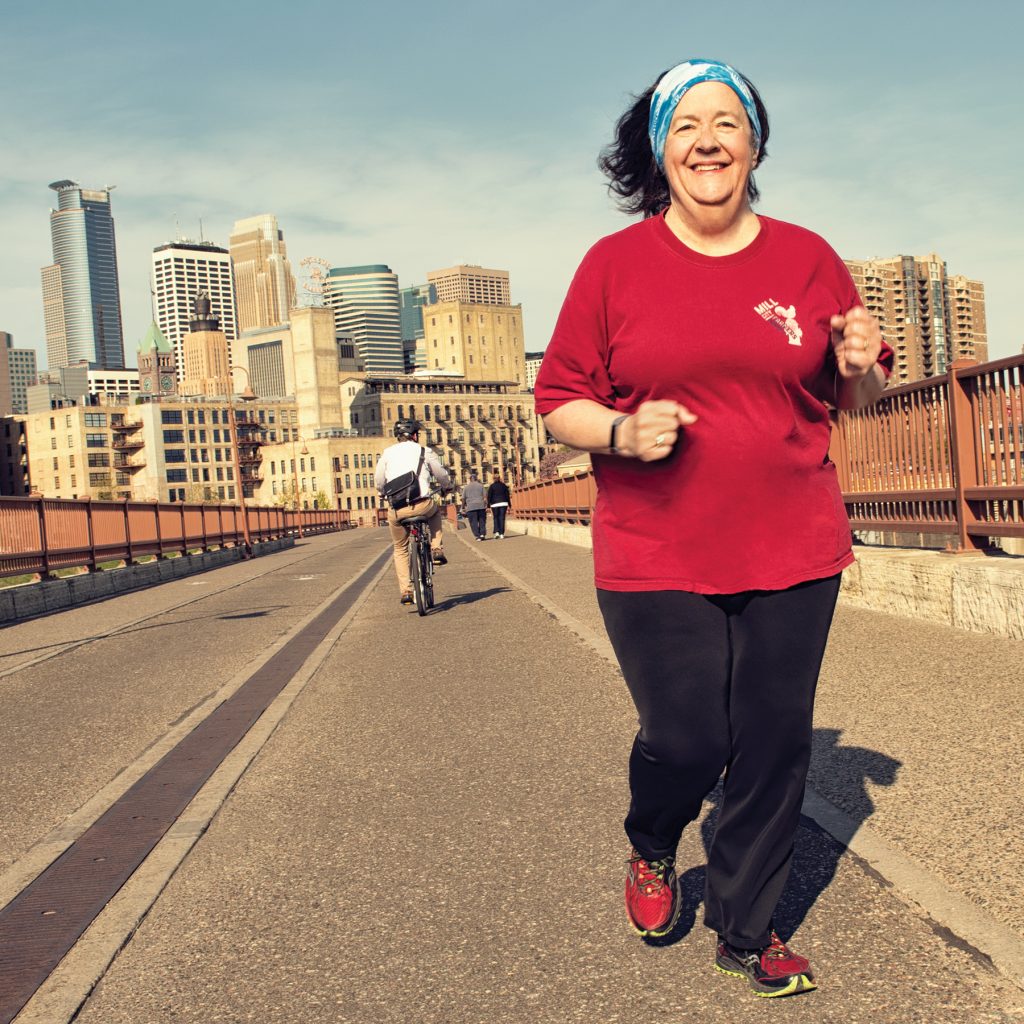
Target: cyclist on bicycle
[{"x": 407, "y": 455}]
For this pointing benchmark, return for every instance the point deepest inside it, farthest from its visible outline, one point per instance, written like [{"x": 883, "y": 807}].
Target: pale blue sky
[{"x": 423, "y": 135}]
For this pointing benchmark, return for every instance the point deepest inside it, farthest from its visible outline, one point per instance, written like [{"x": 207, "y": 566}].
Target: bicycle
[{"x": 421, "y": 563}]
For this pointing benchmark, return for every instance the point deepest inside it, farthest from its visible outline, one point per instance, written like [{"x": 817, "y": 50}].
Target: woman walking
[
  {"x": 695, "y": 355},
  {"x": 498, "y": 501}
]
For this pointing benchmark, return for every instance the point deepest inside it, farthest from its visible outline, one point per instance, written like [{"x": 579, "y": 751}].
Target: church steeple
[{"x": 157, "y": 367}]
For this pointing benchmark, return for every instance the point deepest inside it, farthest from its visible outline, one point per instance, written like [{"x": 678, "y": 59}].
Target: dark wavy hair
[{"x": 629, "y": 164}]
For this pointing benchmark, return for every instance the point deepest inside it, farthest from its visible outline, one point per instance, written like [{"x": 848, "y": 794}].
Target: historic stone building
[{"x": 481, "y": 425}]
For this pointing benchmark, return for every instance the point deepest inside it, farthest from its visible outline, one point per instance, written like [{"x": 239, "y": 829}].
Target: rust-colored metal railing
[
  {"x": 939, "y": 456},
  {"x": 42, "y": 535},
  {"x": 942, "y": 456},
  {"x": 569, "y": 499}
]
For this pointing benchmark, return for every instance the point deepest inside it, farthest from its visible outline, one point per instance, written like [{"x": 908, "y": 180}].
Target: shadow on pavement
[
  {"x": 480, "y": 595},
  {"x": 816, "y": 854}
]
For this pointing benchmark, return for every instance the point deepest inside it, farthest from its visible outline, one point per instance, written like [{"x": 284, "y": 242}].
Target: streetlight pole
[
  {"x": 295, "y": 474},
  {"x": 247, "y": 395}
]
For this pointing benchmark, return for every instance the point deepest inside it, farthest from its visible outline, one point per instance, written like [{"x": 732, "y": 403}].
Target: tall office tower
[
  {"x": 81, "y": 298},
  {"x": 413, "y": 300},
  {"x": 928, "y": 317},
  {"x": 205, "y": 351},
  {"x": 264, "y": 283},
  {"x": 181, "y": 270},
  {"x": 366, "y": 309},
  {"x": 468, "y": 283}
]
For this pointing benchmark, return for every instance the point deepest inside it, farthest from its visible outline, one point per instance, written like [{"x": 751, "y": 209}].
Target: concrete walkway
[{"x": 432, "y": 832}]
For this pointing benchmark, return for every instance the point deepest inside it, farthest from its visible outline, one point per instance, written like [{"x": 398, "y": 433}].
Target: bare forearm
[
  {"x": 858, "y": 392},
  {"x": 647, "y": 434},
  {"x": 582, "y": 424}
]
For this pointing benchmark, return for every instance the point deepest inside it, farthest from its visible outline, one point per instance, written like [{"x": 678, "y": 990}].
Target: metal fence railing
[
  {"x": 939, "y": 456},
  {"x": 568, "y": 499},
  {"x": 42, "y": 535},
  {"x": 942, "y": 456}
]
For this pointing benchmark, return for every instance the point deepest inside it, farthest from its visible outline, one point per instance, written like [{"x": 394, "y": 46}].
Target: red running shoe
[
  {"x": 652, "y": 895},
  {"x": 774, "y": 970}
]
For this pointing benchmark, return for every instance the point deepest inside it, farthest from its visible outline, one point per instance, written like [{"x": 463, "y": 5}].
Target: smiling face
[{"x": 708, "y": 154}]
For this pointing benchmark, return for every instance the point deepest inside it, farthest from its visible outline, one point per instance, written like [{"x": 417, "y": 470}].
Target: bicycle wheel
[
  {"x": 419, "y": 584},
  {"x": 428, "y": 574}
]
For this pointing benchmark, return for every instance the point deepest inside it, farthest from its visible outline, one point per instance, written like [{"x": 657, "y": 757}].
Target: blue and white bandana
[{"x": 673, "y": 86}]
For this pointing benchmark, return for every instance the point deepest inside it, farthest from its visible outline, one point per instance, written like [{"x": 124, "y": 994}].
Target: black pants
[
  {"x": 478, "y": 521},
  {"x": 723, "y": 682},
  {"x": 498, "y": 515}
]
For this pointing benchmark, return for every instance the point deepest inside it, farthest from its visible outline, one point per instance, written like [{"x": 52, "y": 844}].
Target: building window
[
  {"x": 94, "y": 419},
  {"x": 95, "y": 441},
  {"x": 177, "y": 476},
  {"x": 171, "y": 416}
]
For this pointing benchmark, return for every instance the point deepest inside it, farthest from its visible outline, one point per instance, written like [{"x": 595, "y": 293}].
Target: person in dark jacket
[{"x": 498, "y": 501}]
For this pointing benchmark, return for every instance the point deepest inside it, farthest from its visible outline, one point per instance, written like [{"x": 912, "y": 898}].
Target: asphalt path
[{"x": 433, "y": 830}]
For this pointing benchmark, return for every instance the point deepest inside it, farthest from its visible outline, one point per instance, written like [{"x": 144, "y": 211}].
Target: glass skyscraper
[
  {"x": 413, "y": 300},
  {"x": 81, "y": 298},
  {"x": 367, "y": 310}
]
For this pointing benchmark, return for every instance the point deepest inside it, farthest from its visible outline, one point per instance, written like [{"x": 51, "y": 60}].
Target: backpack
[{"x": 404, "y": 489}]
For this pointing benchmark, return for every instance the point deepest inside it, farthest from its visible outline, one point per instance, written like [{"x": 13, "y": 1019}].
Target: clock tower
[{"x": 157, "y": 368}]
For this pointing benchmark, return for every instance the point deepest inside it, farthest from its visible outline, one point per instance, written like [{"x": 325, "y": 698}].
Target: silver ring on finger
[{"x": 659, "y": 441}]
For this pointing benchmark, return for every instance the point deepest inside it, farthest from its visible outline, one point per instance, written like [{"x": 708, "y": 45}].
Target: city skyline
[{"x": 883, "y": 141}]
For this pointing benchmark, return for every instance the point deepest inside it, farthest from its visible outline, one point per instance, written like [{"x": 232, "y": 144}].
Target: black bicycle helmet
[{"x": 406, "y": 428}]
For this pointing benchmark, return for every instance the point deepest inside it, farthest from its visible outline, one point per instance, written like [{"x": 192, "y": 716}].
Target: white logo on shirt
[{"x": 783, "y": 317}]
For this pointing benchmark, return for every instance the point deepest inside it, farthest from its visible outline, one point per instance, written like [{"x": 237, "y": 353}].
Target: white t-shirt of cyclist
[{"x": 404, "y": 457}]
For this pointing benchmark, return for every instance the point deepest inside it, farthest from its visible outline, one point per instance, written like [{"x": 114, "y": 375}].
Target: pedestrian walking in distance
[
  {"x": 498, "y": 501},
  {"x": 696, "y": 355},
  {"x": 474, "y": 504}
]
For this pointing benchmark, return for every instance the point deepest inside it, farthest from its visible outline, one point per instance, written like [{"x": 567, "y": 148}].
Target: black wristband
[{"x": 615, "y": 429}]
